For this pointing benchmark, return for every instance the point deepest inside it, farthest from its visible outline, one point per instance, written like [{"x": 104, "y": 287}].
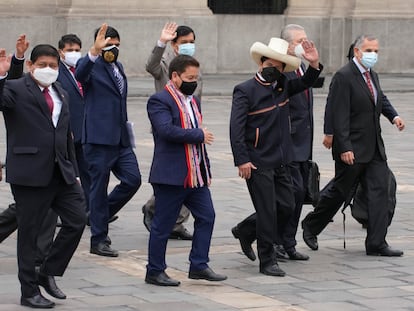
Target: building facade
[{"x": 222, "y": 40}]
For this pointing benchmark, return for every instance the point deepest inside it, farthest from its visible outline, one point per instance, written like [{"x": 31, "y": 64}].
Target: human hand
[
  {"x": 208, "y": 136},
  {"x": 327, "y": 141},
  {"x": 245, "y": 170},
  {"x": 21, "y": 46},
  {"x": 169, "y": 32},
  {"x": 348, "y": 157},
  {"x": 399, "y": 123},
  {"x": 311, "y": 53},
  {"x": 100, "y": 41},
  {"x": 4, "y": 62}
]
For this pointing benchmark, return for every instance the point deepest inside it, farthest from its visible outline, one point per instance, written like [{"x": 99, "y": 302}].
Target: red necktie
[
  {"x": 77, "y": 82},
  {"x": 369, "y": 83},
  {"x": 48, "y": 99},
  {"x": 299, "y": 74}
]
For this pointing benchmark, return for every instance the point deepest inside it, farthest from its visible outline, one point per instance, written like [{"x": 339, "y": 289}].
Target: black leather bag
[{"x": 312, "y": 187}]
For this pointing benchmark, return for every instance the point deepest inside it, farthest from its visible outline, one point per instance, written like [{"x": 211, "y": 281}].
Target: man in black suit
[
  {"x": 355, "y": 103},
  {"x": 41, "y": 169},
  {"x": 261, "y": 140},
  {"x": 69, "y": 50},
  {"x": 301, "y": 118}
]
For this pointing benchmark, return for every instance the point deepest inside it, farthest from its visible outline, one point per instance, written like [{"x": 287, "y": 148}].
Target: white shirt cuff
[{"x": 92, "y": 58}]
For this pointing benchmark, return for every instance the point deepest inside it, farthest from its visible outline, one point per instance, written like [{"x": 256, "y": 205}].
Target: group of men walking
[{"x": 68, "y": 130}]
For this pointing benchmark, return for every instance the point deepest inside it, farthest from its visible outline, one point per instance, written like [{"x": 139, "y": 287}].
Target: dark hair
[
  {"x": 264, "y": 58},
  {"x": 183, "y": 31},
  {"x": 69, "y": 39},
  {"x": 43, "y": 50},
  {"x": 111, "y": 32},
  {"x": 180, "y": 63},
  {"x": 351, "y": 51}
]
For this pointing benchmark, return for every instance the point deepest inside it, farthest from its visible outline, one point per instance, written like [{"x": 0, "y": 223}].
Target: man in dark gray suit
[{"x": 358, "y": 148}]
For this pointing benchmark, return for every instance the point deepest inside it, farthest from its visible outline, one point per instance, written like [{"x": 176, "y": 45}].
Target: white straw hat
[{"x": 277, "y": 50}]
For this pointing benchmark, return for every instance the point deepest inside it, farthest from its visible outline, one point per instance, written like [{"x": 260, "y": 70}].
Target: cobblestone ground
[{"x": 333, "y": 279}]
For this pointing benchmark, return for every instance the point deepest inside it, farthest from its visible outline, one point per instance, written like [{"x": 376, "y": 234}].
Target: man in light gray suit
[{"x": 181, "y": 40}]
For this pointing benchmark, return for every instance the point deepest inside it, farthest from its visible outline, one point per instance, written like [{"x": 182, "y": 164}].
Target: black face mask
[
  {"x": 188, "y": 88},
  {"x": 270, "y": 74},
  {"x": 110, "y": 55}
]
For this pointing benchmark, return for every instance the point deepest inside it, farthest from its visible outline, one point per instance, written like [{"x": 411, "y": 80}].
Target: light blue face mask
[
  {"x": 369, "y": 59},
  {"x": 186, "y": 49}
]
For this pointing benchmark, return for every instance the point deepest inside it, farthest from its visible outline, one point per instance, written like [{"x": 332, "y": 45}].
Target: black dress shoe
[
  {"x": 108, "y": 240},
  {"x": 245, "y": 245},
  {"x": 147, "y": 219},
  {"x": 112, "y": 219},
  {"x": 37, "y": 302},
  {"x": 310, "y": 239},
  {"x": 206, "y": 274},
  {"x": 386, "y": 251},
  {"x": 181, "y": 235},
  {"x": 49, "y": 284},
  {"x": 103, "y": 249},
  {"x": 294, "y": 255},
  {"x": 272, "y": 270},
  {"x": 161, "y": 279},
  {"x": 280, "y": 253}
]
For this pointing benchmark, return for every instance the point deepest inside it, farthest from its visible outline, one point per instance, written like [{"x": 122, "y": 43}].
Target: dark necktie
[
  {"x": 119, "y": 78},
  {"x": 299, "y": 74},
  {"x": 48, "y": 99},
  {"x": 72, "y": 69},
  {"x": 369, "y": 83}
]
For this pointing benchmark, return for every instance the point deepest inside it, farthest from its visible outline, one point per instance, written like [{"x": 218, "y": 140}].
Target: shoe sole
[
  {"x": 383, "y": 255},
  {"x": 159, "y": 284},
  {"x": 104, "y": 255},
  {"x": 202, "y": 278},
  {"x": 26, "y": 304},
  {"x": 273, "y": 274}
]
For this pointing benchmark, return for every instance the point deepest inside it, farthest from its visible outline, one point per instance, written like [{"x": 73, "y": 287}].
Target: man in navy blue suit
[
  {"x": 180, "y": 138},
  {"x": 70, "y": 52},
  {"x": 106, "y": 138}
]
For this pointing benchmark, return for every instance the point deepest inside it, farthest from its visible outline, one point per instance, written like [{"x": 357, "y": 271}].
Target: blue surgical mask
[
  {"x": 369, "y": 59},
  {"x": 186, "y": 49}
]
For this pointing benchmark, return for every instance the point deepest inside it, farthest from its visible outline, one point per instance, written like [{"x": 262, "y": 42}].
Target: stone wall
[{"x": 223, "y": 41}]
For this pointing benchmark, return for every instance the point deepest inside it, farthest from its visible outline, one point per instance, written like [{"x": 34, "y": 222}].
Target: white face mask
[
  {"x": 299, "y": 51},
  {"x": 45, "y": 76},
  {"x": 71, "y": 58}
]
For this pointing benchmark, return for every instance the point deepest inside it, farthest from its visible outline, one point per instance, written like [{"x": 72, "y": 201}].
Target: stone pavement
[{"x": 333, "y": 279}]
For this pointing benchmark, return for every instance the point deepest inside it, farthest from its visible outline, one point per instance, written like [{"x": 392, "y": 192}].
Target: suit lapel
[
  {"x": 361, "y": 81},
  {"x": 68, "y": 75},
  {"x": 37, "y": 94}
]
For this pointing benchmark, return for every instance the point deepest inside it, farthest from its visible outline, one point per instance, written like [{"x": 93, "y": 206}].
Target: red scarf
[{"x": 195, "y": 154}]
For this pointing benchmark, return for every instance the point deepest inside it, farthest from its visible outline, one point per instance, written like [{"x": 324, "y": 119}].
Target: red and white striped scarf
[{"x": 195, "y": 157}]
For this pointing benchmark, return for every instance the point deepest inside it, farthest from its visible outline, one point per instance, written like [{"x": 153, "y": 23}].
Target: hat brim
[{"x": 259, "y": 49}]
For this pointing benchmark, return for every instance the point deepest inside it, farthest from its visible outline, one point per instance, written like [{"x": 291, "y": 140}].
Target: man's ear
[{"x": 29, "y": 65}]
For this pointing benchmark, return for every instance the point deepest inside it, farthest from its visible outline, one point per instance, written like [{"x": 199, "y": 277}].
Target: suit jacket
[
  {"x": 157, "y": 65},
  {"x": 301, "y": 120},
  {"x": 34, "y": 145},
  {"x": 76, "y": 103},
  {"x": 169, "y": 164},
  {"x": 260, "y": 123},
  {"x": 16, "y": 68},
  {"x": 105, "y": 107},
  {"x": 356, "y": 118}
]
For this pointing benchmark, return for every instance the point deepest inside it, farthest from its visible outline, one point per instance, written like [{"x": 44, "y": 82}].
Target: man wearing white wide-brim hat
[{"x": 261, "y": 141}]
